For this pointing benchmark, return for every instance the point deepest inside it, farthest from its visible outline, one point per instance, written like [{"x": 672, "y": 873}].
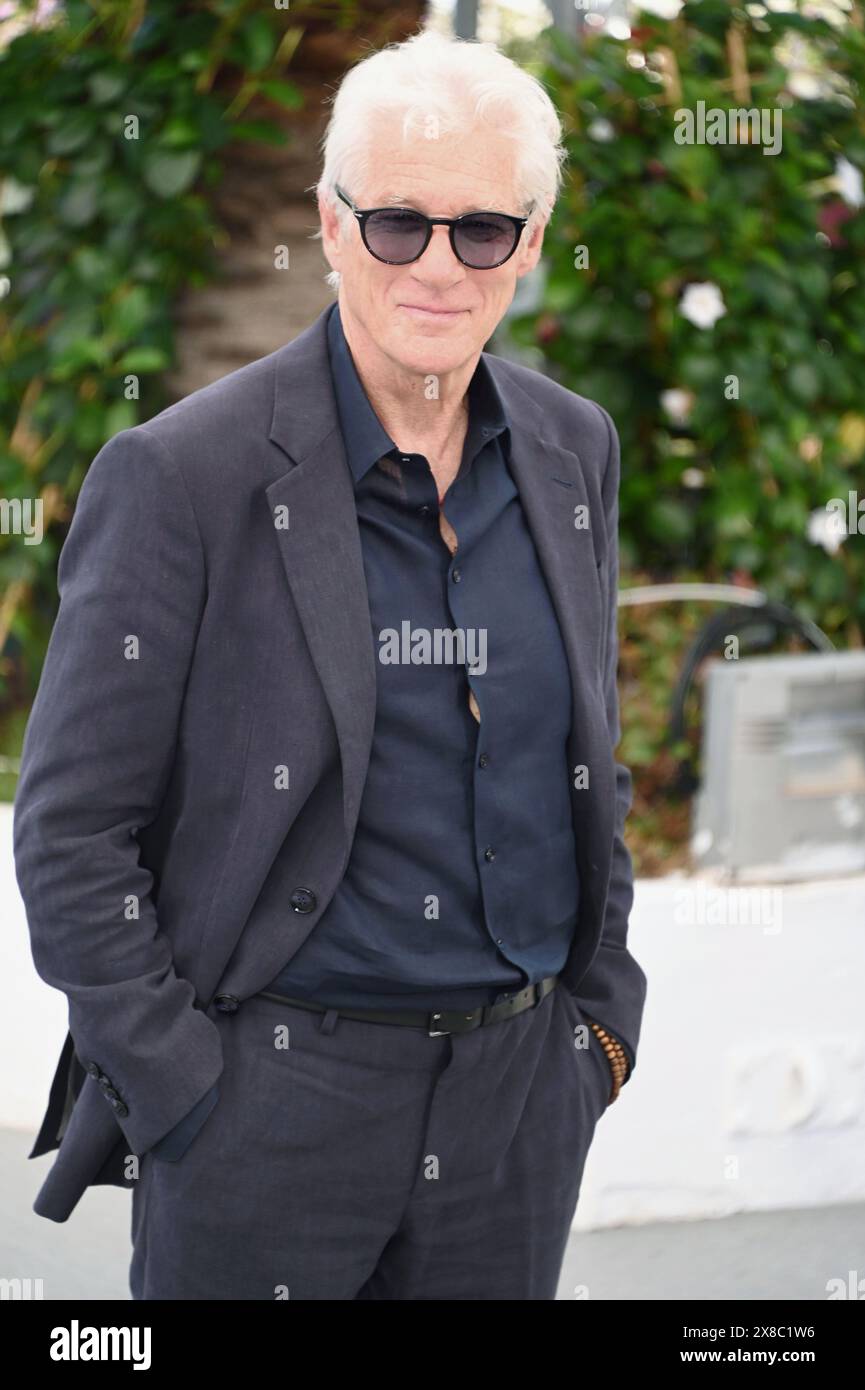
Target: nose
[{"x": 439, "y": 260}]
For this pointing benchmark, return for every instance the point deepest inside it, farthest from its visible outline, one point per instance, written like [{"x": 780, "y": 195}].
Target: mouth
[{"x": 421, "y": 311}]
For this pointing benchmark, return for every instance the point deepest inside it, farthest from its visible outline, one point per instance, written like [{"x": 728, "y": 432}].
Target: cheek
[
  {"x": 381, "y": 288},
  {"x": 496, "y": 285},
  {"x": 494, "y": 300}
]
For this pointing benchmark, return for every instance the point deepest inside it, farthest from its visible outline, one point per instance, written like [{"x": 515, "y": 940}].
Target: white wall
[
  {"x": 749, "y": 1091},
  {"x": 33, "y": 1017}
]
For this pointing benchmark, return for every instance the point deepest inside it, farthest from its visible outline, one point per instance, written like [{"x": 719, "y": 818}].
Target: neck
[{"x": 416, "y": 420}]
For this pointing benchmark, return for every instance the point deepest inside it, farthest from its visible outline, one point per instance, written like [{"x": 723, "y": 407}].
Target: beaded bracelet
[{"x": 616, "y": 1056}]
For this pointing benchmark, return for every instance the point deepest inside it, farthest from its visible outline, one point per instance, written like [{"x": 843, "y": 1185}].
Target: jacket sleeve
[
  {"x": 175, "y": 1143},
  {"x": 97, "y": 756},
  {"x": 613, "y": 989}
]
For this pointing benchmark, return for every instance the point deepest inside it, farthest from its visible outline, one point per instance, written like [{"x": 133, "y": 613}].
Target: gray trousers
[{"x": 355, "y": 1160}]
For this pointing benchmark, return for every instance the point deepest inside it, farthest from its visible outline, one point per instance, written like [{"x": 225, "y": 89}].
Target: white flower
[
  {"x": 702, "y": 304},
  {"x": 664, "y": 9},
  {"x": 601, "y": 129},
  {"x": 804, "y": 85},
  {"x": 848, "y": 181},
  {"x": 806, "y": 78},
  {"x": 14, "y": 197},
  {"x": 14, "y": 20},
  {"x": 677, "y": 403},
  {"x": 827, "y": 528},
  {"x": 618, "y": 28},
  {"x": 835, "y": 12}
]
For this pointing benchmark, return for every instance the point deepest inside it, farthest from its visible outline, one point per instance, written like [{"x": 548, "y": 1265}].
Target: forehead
[
  {"x": 438, "y": 204},
  {"x": 444, "y": 176}
]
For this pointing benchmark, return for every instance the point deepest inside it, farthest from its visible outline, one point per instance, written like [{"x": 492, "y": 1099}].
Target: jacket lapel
[
  {"x": 552, "y": 484},
  {"x": 316, "y": 530}
]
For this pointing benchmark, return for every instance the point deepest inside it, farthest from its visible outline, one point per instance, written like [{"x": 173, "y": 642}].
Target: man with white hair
[{"x": 319, "y": 826}]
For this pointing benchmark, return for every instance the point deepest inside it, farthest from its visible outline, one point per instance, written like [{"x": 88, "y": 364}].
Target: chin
[{"x": 433, "y": 352}]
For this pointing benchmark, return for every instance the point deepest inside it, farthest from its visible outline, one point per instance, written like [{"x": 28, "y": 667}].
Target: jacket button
[
  {"x": 111, "y": 1094},
  {"x": 93, "y": 1068},
  {"x": 120, "y": 1108},
  {"x": 104, "y": 1081},
  {"x": 303, "y": 900},
  {"x": 227, "y": 1003}
]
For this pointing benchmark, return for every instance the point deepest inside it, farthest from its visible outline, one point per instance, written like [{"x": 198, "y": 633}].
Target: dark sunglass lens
[
  {"x": 396, "y": 236},
  {"x": 485, "y": 240}
]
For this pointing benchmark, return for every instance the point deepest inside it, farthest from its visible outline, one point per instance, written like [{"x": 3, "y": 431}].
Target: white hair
[{"x": 444, "y": 85}]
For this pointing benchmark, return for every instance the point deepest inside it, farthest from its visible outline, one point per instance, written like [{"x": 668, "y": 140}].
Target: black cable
[{"x": 720, "y": 626}]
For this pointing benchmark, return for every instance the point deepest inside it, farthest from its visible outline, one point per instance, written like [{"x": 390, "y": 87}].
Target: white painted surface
[
  {"x": 749, "y": 1091},
  {"x": 33, "y": 1016}
]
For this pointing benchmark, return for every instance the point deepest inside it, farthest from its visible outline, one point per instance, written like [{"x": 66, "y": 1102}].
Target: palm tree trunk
[{"x": 264, "y": 203}]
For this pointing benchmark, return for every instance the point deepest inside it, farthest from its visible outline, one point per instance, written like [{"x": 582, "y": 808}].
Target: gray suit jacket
[{"x": 214, "y": 627}]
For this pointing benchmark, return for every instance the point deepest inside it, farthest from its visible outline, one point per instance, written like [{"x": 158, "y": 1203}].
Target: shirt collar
[{"x": 366, "y": 440}]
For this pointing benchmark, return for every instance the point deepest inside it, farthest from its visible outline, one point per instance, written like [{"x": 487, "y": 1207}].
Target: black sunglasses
[{"x": 398, "y": 236}]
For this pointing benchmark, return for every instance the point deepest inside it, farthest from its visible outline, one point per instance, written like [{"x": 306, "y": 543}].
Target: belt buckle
[{"x": 447, "y": 1032}]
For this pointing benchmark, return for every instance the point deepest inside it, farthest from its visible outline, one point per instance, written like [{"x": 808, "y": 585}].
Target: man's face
[{"x": 385, "y": 303}]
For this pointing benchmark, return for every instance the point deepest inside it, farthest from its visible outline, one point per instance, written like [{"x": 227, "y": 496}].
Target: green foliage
[
  {"x": 653, "y": 641},
  {"x": 116, "y": 118},
  {"x": 727, "y": 490}
]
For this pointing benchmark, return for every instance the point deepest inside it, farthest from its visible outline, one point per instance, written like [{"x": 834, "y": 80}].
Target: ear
[
  {"x": 330, "y": 231},
  {"x": 531, "y": 248}
]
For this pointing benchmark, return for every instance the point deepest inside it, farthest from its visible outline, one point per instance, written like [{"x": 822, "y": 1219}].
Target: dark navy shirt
[{"x": 462, "y": 881}]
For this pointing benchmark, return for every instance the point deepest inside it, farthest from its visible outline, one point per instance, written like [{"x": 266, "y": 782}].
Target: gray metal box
[{"x": 783, "y": 789}]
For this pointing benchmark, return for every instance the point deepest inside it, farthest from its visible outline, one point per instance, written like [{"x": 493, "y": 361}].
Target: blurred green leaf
[
  {"x": 258, "y": 38},
  {"x": 260, "y": 132},
  {"x": 168, "y": 174},
  {"x": 286, "y": 93}
]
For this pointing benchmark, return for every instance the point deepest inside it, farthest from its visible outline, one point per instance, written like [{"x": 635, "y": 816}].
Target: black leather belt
[{"x": 438, "y": 1022}]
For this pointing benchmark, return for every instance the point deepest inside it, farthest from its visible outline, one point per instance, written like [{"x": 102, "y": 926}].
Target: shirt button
[
  {"x": 423, "y": 510},
  {"x": 489, "y": 854},
  {"x": 456, "y": 576},
  {"x": 483, "y": 759}
]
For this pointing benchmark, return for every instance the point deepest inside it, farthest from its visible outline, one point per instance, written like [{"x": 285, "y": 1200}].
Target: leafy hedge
[
  {"x": 116, "y": 117},
  {"x": 767, "y": 253},
  {"x": 715, "y": 484}
]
